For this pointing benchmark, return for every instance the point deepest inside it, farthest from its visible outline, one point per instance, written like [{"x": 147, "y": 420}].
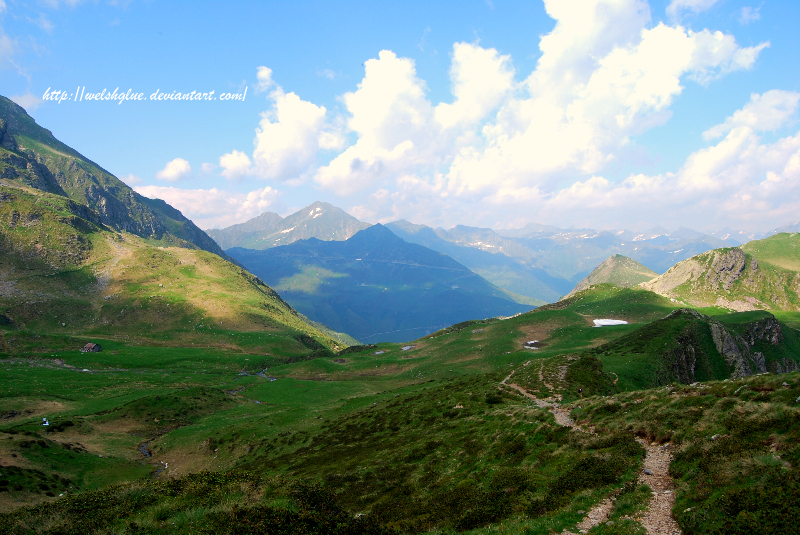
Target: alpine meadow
[{"x": 485, "y": 268}]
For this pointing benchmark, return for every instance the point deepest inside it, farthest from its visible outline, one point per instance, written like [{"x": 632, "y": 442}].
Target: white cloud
[
  {"x": 288, "y": 137},
  {"x": 769, "y": 111},
  {"x": 209, "y": 208},
  {"x": 175, "y": 170},
  {"x": 207, "y": 168},
  {"x": 480, "y": 78},
  {"x": 391, "y": 116},
  {"x": 234, "y": 165},
  {"x": 675, "y": 7},
  {"x": 264, "y": 77},
  {"x": 326, "y": 73},
  {"x": 2, "y": 7},
  {"x": 29, "y": 101},
  {"x": 749, "y": 14}
]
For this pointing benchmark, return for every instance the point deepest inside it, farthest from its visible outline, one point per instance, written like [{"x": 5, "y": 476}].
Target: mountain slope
[
  {"x": 65, "y": 275},
  {"x": 756, "y": 276},
  {"x": 30, "y": 156},
  {"x": 319, "y": 220},
  {"x": 377, "y": 287},
  {"x": 617, "y": 270},
  {"x": 243, "y": 233}
]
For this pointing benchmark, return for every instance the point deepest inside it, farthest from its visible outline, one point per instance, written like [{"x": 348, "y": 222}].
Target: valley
[{"x": 154, "y": 383}]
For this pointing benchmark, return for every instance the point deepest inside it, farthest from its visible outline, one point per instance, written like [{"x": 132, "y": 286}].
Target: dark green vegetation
[
  {"x": 376, "y": 287},
  {"x": 319, "y": 220},
  {"x": 214, "y": 407},
  {"x": 736, "y": 449},
  {"x": 412, "y": 440},
  {"x": 30, "y": 156}
]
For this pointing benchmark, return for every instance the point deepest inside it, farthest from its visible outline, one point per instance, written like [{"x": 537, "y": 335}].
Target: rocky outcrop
[
  {"x": 737, "y": 349},
  {"x": 726, "y": 268}
]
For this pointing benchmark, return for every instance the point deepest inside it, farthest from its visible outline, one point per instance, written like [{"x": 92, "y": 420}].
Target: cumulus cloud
[
  {"x": 207, "y": 168},
  {"x": 264, "y": 77},
  {"x": 131, "y": 179},
  {"x": 209, "y": 208},
  {"x": 175, "y": 170},
  {"x": 288, "y": 135},
  {"x": 391, "y": 116},
  {"x": 768, "y": 111},
  {"x": 480, "y": 78},
  {"x": 234, "y": 165},
  {"x": 507, "y": 140}
]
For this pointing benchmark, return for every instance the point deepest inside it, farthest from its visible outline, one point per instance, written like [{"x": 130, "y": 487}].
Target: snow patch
[{"x": 607, "y": 322}]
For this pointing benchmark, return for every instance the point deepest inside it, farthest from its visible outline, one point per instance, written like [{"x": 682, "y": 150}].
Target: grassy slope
[
  {"x": 762, "y": 274},
  {"x": 64, "y": 276},
  {"x": 31, "y": 156},
  {"x": 418, "y": 438},
  {"x": 617, "y": 270}
]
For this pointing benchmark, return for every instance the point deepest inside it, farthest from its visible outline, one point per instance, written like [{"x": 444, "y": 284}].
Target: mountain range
[
  {"x": 377, "y": 287},
  {"x": 213, "y": 406},
  {"x": 537, "y": 261}
]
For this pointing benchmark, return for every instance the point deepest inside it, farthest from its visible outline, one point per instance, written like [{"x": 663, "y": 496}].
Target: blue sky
[{"x": 599, "y": 113}]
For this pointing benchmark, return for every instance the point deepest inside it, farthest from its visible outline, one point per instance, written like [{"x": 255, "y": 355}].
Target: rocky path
[{"x": 657, "y": 519}]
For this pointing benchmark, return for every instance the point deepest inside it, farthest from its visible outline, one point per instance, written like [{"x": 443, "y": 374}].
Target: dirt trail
[{"x": 657, "y": 519}]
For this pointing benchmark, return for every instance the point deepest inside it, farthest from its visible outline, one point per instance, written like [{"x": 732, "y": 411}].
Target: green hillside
[
  {"x": 31, "y": 157},
  {"x": 760, "y": 275},
  {"x": 66, "y": 277},
  {"x": 437, "y": 434},
  {"x": 617, "y": 270}
]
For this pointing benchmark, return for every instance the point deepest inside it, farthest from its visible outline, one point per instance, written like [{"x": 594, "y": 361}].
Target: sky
[{"x": 609, "y": 114}]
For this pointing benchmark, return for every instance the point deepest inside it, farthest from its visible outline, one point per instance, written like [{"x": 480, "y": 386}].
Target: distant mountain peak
[{"x": 319, "y": 220}]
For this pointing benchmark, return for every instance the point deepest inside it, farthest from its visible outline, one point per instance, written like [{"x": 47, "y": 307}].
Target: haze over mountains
[
  {"x": 537, "y": 261},
  {"x": 377, "y": 287}
]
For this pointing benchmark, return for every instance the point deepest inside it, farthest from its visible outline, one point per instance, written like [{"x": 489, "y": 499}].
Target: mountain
[
  {"x": 377, "y": 287},
  {"x": 63, "y": 273},
  {"x": 238, "y": 235},
  {"x": 545, "y": 262},
  {"x": 760, "y": 275},
  {"x": 319, "y": 220},
  {"x": 617, "y": 270},
  {"x": 494, "y": 266},
  {"x": 30, "y": 156}
]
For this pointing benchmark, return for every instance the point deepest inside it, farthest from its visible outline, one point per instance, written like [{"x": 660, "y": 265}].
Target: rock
[
  {"x": 581, "y": 512},
  {"x": 648, "y": 471},
  {"x": 785, "y": 384}
]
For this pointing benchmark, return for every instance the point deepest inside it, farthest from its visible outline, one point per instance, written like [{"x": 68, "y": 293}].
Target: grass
[{"x": 417, "y": 437}]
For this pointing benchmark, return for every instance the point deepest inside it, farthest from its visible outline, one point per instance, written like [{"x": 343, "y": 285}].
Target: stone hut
[{"x": 91, "y": 348}]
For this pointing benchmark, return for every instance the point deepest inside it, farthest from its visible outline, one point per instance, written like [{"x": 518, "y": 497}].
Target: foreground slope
[
  {"x": 617, "y": 270},
  {"x": 31, "y": 156},
  {"x": 375, "y": 286},
  {"x": 760, "y": 275},
  {"x": 63, "y": 273},
  {"x": 473, "y": 428}
]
